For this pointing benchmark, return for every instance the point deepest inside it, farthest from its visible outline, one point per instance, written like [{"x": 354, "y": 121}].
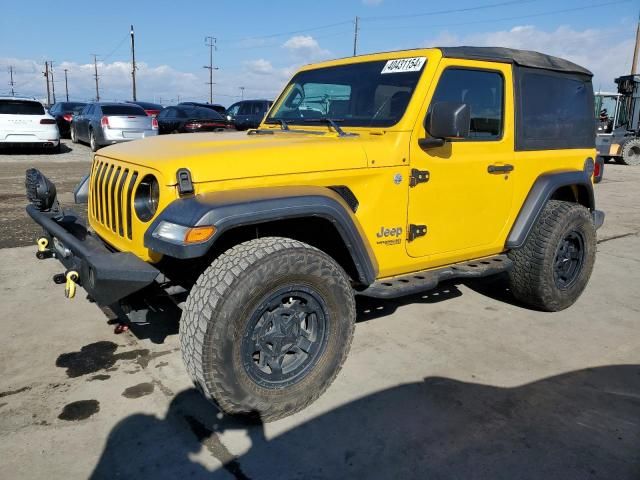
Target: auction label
[{"x": 402, "y": 65}]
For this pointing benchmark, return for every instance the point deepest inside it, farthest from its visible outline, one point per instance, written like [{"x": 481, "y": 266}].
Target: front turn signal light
[{"x": 199, "y": 234}]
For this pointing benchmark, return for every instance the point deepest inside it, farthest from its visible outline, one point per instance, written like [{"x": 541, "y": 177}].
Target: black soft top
[{"x": 524, "y": 58}]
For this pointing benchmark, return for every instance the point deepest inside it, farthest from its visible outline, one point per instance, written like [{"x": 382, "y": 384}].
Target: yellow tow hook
[
  {"x": 70, "y": 287},
  {"x": 43, "y": 243}
]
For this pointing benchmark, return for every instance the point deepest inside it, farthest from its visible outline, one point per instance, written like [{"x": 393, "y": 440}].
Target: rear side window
[
  {"x": 556, "y": 111},
  {"x": 20, "y": 107},
  {"x": 123, "y": 110},
  {"x": 483, "y": 91}
]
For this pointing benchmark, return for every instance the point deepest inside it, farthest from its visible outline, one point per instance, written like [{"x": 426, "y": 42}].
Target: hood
[{"x": 224, "y": 156}]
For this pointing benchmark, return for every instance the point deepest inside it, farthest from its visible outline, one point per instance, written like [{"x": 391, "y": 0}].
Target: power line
[
  {"x": 11, "y": 82},
  {"x": 211, "y": 43},
  {"x": 355, "y": 37},
  {"x": 66, "y": 84},
  {"x": 53, "y": 85},
  {"x": 451, "y": 10},
  {"x": 493, "y": 20},
  {"x": 95, "y": 67},
  {"x": 133, "y": 63}
]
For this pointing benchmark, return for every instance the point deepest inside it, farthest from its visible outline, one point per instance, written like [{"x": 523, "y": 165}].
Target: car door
[
  {"x": 462, "y": 211},
  {"x": 163, "y": 120},
  {"x": 81, "y": 123}
]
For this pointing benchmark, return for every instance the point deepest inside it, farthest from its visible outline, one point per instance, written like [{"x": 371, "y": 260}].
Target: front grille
[{"x": 112, "y": 188}]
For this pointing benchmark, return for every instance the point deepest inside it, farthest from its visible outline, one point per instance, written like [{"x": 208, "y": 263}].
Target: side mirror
[{"x": 444, "y": 121}]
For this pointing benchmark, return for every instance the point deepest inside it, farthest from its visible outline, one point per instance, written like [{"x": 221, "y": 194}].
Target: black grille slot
[
  {"x": 100, "y": 193},
  {"x": 107, "y": 206},
  {"x": 94, "y": 193},
  {"x": 113, "y": 199},
  {"x": 132, "y": 183},
  {"x": 125, "y": 174}
]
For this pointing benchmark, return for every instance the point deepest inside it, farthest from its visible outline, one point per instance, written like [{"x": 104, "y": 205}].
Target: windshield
[
  {"x": 72, "y": 107},
  {"x": 369, "y": 94}
]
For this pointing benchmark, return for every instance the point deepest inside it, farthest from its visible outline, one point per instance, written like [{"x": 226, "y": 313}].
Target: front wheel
[
  {"x": 267, "y": 327},
  {"x": 630, "y": 152},
  {"x": 552, "y": 268}
]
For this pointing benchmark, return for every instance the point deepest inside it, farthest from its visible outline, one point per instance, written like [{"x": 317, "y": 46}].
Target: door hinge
[
  {"x": 418, "y": 176},
  {"x": 416, "y": 231}
]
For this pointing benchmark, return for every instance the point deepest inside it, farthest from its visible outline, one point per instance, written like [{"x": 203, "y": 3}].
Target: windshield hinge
[
  {"x": 418, "y": 176},
  {"x": 416, "y": 231}
]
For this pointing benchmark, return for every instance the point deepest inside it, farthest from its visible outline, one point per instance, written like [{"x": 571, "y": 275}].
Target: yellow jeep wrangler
[{"x": 377, "y": 175}]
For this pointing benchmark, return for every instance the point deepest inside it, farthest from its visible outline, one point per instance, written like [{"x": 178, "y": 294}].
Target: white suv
[{"x": 24, "y": 122}]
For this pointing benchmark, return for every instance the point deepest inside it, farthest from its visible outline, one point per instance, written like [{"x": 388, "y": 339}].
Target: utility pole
[
  {"x": 355, "y": 36},
  {"x": 53, "y": 85},
  {"x": 46, "y": 76},
  {"x": 95, "y": 67},
  {"x": 211, "y": 43},
  {"x": 241, "y": 93},
  {"x": 133, "y": 62},
  {"x": 635, "y": 50},
  {"x": 66, "y": 84},
  {"x": 11, "y": 83}
]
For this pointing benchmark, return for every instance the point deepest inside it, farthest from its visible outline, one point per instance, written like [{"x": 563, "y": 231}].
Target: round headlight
[
  {"x": 40, "y": 191},
  {"x": 147, "y": 197}
]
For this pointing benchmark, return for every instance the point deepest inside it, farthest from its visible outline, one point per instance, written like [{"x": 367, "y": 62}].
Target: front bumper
[{"x": 107, "y": 276}]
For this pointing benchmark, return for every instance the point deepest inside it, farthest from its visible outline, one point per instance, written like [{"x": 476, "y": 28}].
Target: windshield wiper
[
  {"x": 332, "y": 123},
  {"x": 283, "y": 124}
]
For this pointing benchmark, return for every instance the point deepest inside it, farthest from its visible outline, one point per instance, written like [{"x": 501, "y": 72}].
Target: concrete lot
[{"x": 456, "y": 383}]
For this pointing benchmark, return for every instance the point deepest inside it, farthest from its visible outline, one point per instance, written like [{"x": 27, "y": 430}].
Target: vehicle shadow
[
  {"x": 580, "y": 424},
  {"x": 156, "y": 316}
]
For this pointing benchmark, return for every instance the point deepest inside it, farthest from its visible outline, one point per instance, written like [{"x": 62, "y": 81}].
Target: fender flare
[
  {"x": 542, "y": 190},
  {"x": 229, "y": 209}
]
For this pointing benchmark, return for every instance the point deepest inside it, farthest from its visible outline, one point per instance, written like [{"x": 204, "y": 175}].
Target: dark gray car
[
  {"x": 248, "y": 113},
  {"x": 103, "y": 123}
]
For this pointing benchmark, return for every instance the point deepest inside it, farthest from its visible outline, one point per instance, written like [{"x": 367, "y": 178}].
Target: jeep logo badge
[{"x": 389, "y": 232}]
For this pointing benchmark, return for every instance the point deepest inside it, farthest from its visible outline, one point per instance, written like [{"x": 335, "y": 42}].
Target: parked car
[
  {"x": 211, "y": 106},
  {"x": 102, "y": 124},
  {"x": 63, "y": 112},
  {"x": 189, "y": 119},
  {"x": 248, "y": 113},
  {"x": 152, "y": 109},
  {"x": 24, "y": 122}
]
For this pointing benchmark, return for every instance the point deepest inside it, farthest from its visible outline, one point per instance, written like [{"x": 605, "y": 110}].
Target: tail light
[
  {"x": 192, "y": 125},
  {"x": 47, "y": 121},
  {"x": 154, "y": 123},
  {"x": 598, "y": 170},
  {"x": 104, "y": 122},
  {"x": 68, "y": 117}
]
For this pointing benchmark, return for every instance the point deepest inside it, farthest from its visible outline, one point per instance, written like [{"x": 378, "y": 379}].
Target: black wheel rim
[
  {"x": 285, "y": 337},
  {"x": 568, "y": 260}
]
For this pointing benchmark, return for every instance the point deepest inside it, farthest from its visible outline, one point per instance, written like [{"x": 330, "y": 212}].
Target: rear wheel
[
  {"x": 630, "y": 153},
  {"x": 92, "y": 141},
  {"x": 267, "y": 327},
  {"x": 74, "y": 136},
  {"x": 552, "y": 268}
]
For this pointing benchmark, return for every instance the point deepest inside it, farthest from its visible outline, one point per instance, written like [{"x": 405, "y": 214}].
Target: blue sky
[{"x": 261, "y": 43}]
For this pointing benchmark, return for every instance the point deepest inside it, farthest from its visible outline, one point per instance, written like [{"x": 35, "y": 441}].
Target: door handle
[{"x": 500, "y": 168}]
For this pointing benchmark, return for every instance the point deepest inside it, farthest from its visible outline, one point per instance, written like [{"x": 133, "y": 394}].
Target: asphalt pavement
[{"x": 461, "y": 382}]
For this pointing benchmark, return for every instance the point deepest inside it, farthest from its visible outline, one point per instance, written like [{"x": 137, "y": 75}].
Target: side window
[
  {"x": 245, "y": 108},
  {"x": 233, "y": 109},
  {"x": 163, "y": 114},
  {"x": 556, "y": 111},
  {"x": 483, "y": 91},
  {"x": 179, "y": 113}
]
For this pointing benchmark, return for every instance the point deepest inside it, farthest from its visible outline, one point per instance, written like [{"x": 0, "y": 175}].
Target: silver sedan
[{"x": 102, "y": 124}]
